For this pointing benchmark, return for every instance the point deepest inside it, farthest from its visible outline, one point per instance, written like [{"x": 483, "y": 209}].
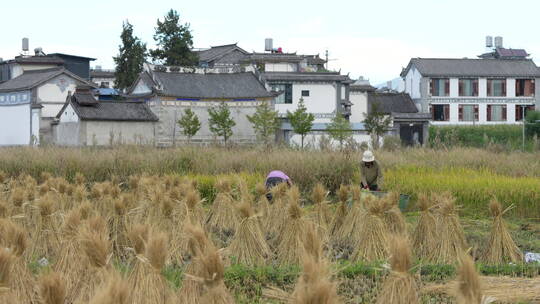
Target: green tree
[
  {"x": 220, "y": 121},
  {"x": 340, "y": 129},
  {"x": 190, "y": 124},
  {"x": 301, "y": 121},
  {"x": 376, "y": 124},
  {"x": 174, "y": 42},
  {"x": 265, "y": 121},
  {"x": 130, "y": 59}
]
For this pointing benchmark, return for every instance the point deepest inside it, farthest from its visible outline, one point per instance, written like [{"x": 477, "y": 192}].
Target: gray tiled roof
[
  {"x": 101, "y": 74},
  {"x": 362, "y": 87},
  {"x": 216, "y": 52},
  {"x": 193, "y": 85},
  {"x": 112, "y": 111},
  {"x": 39, "y": 60},
  {"x": 433, "y": 67},
  {"x": 31, "y": 79},
  {"x": 305, "y": 76},
  {"x": 392, "y": 102}
]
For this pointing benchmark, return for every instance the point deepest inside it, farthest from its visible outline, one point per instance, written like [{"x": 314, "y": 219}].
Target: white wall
[
  {"x": 52, "y": 94},
  {"x": 69, "y": 115},
  {"x": 125, "y": 132},
  {"x": 280, "y": 67},
  {"x": 321, "y": 99},
  {"x": 454, "y": 87},
  {"x": 359, "y": 107},
  {"x": 312, "y": 140},
  {"x": 36, "y": 116},
  {"x": 15, "y": 125},
  {"x": 141, "y": 88},
  {"x": 482, "y": 87},
  {"x": 412, "y": 83},
  {"x": 510, "y": 87}
]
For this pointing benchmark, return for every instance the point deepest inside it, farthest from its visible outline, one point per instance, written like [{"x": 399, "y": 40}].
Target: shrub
[{"x": 476, "y": 136}]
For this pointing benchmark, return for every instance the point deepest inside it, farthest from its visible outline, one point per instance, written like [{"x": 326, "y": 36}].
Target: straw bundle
[
  {"x": 500, "y": 248},
  {"x": 424, "y": 237},
  {"x": 4, "y": 211},
  {"x": 146, "y": 281},
  {"x": 118, "y": 227},
  {"x": 314, "y": 285},
  {"x": 249, "y": 246},
  {"x": 21, "y": 281},
  {"x": 222, "y": 218},
  {"x": 451, "y": 238},
  {"x": 97, "y": 249},
  {"x": 341, "y": 211},
  {"x": 212, "y": 274},
  {"x": 138, "y": 237},
  {"x": 322, "y": 215},
  {"x": 191, "y": 213},
  {"x": 393, "y": 218},
  {"x": 45, "y": 241},
  {"x": 469, "y": 290},
  {"x": 52, "y": 289},
  {"x": 372, "y": 238},
  {"x": 400, "y": 286},
  {"x": 289, "y": 248},
  {"x": 277, "y": 210},
  {"x": 349, "y": 233},
  {"x": 115, "y": 291}
]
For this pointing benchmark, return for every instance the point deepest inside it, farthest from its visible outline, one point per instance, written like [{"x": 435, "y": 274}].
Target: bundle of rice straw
[
  {"x": 115, "y": 291},
  {"x": 314, "y": 285},
  {"x": 349, "y": 233},
  {"x": 424, "y": 237},
  {"x": 138, "y": 238},
  {"x": 212, "y": 274},
  {"x": 146, "y": 282},
  {"x": 97, "y": 249},
  {"x": 118, "y": 227},
  {"x": 45, "y": 241},
  {"x": 393, "y": 218},
  {"x": 451, "y": 238},
  {"x": 289, "y": 248},
  {"x": 400, "y": 286},
  {"x": 277, "y": 210},
  {"x": 21, "y": 282},
  {"x": 341, "y": 211},
  {"x": 500, "y": 248},
  {"x": 469, "y": 289},
  {"x": 222, "y": 218},
  {"x": 322, "y": 215},
  {"x": 371, "y": 242},
  {"x": 6, "y": 264},
  {"x": 249, "y": 246},
  {"x": 52, "y": 289},
  {"x": 192, "y": 291},
  {"x": 68, "y": 262},
  {"x": 192, "y": 214},
  {"x": 4, "y": 211}
]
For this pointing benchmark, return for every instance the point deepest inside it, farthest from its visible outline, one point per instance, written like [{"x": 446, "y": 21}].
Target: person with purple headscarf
[{"x": 273, "y": 179}]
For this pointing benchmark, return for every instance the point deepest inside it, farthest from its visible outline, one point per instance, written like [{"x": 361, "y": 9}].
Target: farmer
[
  {"x": 273, "y": 179},
  {"x": 370, "y": 172}
]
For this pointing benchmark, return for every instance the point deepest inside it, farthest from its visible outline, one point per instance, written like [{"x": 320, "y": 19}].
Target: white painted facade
[
  {"x": 52, "y": 94},
  {"x": 69, "y": 115},
  {"x": 281, "y": 67},
  {"x": 15, "y": 124},
  {"x": 418, "y": 87},
  {"x": 359, "y": 109}
]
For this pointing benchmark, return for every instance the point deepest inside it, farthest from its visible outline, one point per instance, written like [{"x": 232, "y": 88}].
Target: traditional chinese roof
[
  {"x": 392, "y": 102},
  {"x": 31, "y": 79}
]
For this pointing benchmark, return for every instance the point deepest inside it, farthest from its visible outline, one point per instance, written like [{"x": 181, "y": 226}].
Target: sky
[{"x": 373, "y": 39}]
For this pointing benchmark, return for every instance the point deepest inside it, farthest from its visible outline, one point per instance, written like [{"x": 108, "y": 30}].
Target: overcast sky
[{"x": 374, "y": 39}]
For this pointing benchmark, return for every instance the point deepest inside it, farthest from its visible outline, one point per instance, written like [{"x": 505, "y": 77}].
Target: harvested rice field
[{"x": 185, "y": 237}]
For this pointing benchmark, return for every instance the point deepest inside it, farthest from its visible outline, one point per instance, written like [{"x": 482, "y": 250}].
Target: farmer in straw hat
[
  {"x": 273, "y": 179},
  {"x": 371, "y": 172}
]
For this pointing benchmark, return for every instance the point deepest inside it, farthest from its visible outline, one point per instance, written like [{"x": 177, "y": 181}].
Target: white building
[
  {"x": 30, "y": 102},
  {"x": 102, "y": 78},
  {"x": 496, "y": 89}
]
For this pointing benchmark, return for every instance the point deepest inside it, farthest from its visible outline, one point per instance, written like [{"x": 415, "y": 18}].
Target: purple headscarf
[{"x": 279, "y": 174}]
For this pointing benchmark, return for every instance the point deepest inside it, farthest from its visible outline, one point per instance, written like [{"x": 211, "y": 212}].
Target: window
[
  {"x": 519, "y": 111},
  {"x": 468, "y": 87},
  {"x": 440, "y": 87},
  {"x": 286, "y": 96},
  {"x": 496, "y": 87},
  {"x": 496, "y": 112},
  {"x": 468, "y": 113},
  {"x": 525, "y": 87},
  {"x": 305, "y": 93},
  {"x": 440, "y": 112}
]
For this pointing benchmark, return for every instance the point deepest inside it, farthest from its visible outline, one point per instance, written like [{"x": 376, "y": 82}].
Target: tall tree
[
  {"x": 376, "y": 124},
  {"x": 301, "y": 121},
  {"x": 220, "y": 121},
  {"x": 265, "y": 121},
  {"x": 339, "y": 129},
  {"x": 130, "y": 59},
  {"x": 174, "y": 42},
  {"x": 190, "y": 124}
]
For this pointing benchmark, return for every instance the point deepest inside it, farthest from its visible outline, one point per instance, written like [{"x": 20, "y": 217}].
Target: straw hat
[{"x": 368, "y": 157}]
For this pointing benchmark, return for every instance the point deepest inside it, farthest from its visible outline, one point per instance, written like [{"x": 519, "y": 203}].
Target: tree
[
  {"x": 376, "y": 124},
  {"x": 174, "y": 42},
  {"x": 301, "y": 121},
  {"x": 265, "y": 121},
  {"x": 190, "y": 124},
  {"x": 220, "y": 121},
  {"x": 130, "y": 59},
  {"x": 340, "y": 129}
]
